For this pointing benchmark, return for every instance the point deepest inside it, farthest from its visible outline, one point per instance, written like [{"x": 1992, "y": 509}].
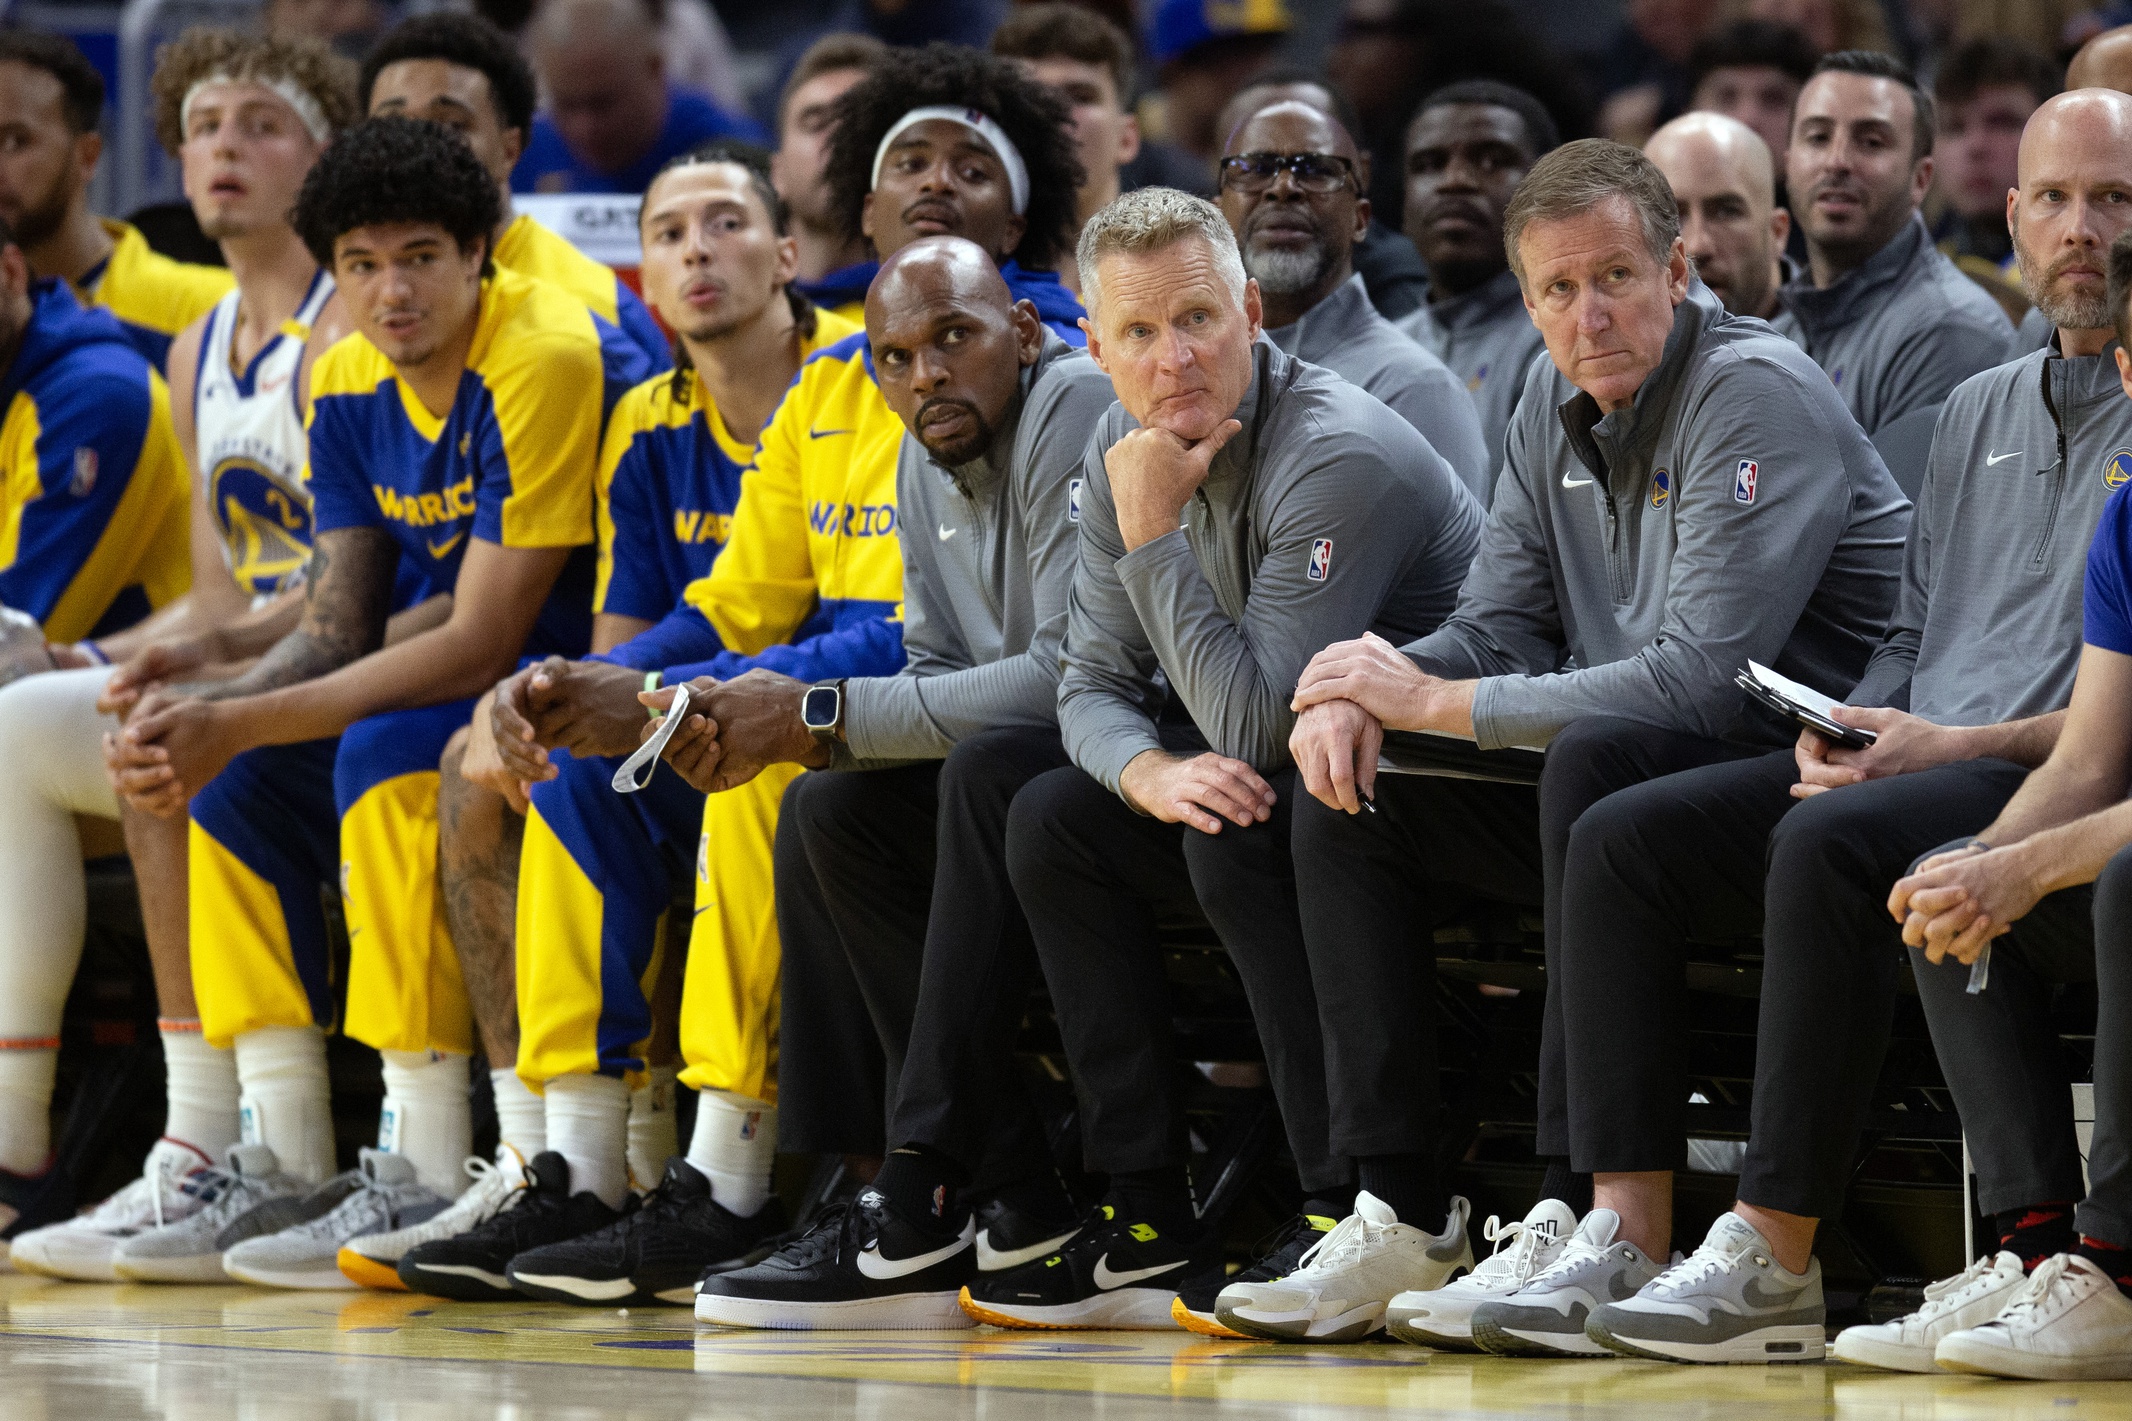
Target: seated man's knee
[{"x": 1043, "y": 808}]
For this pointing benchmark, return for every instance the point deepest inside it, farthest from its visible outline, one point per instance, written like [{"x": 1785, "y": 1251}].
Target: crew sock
[
  {"x": 654, "y": 1134},
  {"x": 27, "y": 1070},
  {"x": 428, "y": 1117},
  {"x": 920, "y": 1184},
  {"x": 2038, "y": 1231},
  {"x": 735, "y": 1147},
  {"x": 1408, "y": 1183},
  {"x": 588, "y": 1125},
  {"x": 283, "y": 1100},
  {"x": 1160, "y": 1196},
  {"x": 1568, "y": 1185},
  {"x": 200, "y": 1088},
  {"x": 2115, "y": 1261},
  {"x": 1040, "y": 1194},
  {"x": 521, "y": 1116}
]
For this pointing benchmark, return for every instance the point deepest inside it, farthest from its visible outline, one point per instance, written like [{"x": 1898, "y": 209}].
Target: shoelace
[
  {"x": 1576, "y": 1252},
  {"x": 2035, "y": 1294},
  {"x": 1517, "y": 1245},
  {"x": 1700, "y": 1266},
  {"x": 1946, "y": 1295},
  {"x": 1346, "y": 1243}
]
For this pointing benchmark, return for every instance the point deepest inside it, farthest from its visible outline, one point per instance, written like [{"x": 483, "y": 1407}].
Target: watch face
[{"x": 818, "y": 709}]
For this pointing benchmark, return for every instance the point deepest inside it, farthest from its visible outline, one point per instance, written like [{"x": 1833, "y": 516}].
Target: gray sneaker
[
  {"x": 249, "y": 1195},
  {"x": 1546, "y": 1317},
  {"x": 386, "y": 1196},
  {"x": 1730, "y": 1301}
]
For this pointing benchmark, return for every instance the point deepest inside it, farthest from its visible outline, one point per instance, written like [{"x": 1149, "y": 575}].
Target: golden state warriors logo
[
  {"x": 2117, "y": 470},
  {"x": 266, "y": 526},
  {"x": 1661, "y": 488}
]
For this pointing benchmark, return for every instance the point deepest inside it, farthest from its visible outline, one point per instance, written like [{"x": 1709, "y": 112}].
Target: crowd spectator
[
  {"x": 1983, "y": 95},
  {"x": 1752, "y": 71}
]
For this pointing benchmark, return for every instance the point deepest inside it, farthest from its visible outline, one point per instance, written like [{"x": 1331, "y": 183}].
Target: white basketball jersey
[{"x": 248, "y": 430}]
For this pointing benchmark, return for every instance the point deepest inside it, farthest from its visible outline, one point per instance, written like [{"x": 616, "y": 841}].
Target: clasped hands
[
  {"x": 171, "y": 743},
  {"x": 1348, "y": 696},
  {"x": 736, "y": 729},
  {"x": 1956, "y": 902}
]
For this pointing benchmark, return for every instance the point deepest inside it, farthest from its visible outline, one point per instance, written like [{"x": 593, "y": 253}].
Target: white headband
[
  {"x": 306, "y": 107},
  {"x": 981, "y": 124}
]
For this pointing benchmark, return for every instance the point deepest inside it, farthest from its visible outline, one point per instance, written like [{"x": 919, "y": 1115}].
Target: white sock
[
  {"x": 200, "y": 1086},
  {"x": 283, "y": 1101},
  {"x": 521, "y": 1116},
  {"x": 428, "y": 1116},
  {"x": 26, "y": 1075},
  {"x": 735, "y": 1147},
  {"x": 654, "y": 1134},
  {"x": 588, "y": 1125}
]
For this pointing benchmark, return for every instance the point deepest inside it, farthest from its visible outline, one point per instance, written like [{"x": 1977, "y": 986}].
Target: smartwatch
[{"x": 822, "y": 711}]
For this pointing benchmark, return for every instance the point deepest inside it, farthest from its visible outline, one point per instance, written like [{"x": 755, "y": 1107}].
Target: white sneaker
[
  {"x": 1339, "y": 1291},
  {"x": 235, "y": 1202},
  {"x": 1969, "y": 1299},
  {"x": 1729, "y": 1301},
  {"x": 82, "y": 1248},
  {"x": 373, "y": 1260},
  {"x": 2067, "y": 1323},
  {"x": 1443, "y": 1319},
  {"x": 1546, "y": 1317},
  {"x": 303, "y": 1256}
]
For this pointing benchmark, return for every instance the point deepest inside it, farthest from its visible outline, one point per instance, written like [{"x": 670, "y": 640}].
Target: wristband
[
  {"x": 94, "y": 652},
  {"x": 652, "y": 681}
]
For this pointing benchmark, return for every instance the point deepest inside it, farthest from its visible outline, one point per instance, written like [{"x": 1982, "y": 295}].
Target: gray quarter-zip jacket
[
  {"x": 1900, "y": 332},
  {"x": 988, "y": 559},
  {"x": 1488, "y": 341},
  {"x": 1345, "y": 334},
  {"x": 1987, "y": 628},
  {"x": 1634, "y": 562},
  {"x": 1326, "y": 517}
]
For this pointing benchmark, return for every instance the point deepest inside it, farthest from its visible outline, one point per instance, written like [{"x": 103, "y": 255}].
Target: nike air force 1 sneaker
[
  {"x": 1546, "y": 1317},
  {"x": 655, "y": 1253},
  {"x": 82, "y": 1249},
  {"x": 473, "y": 1266},
  {"x": 1443, "y": 1319},
  {"x": 247, "y": 1196},
  {"x": 861, "y": 1266},
  {"x": 2067, "y": 1323},
  {"x": 1114, "y": 1272},
  {"x": 388, "y": 1196},
  {"x": 1009, "y": 1235},
  {"x": 1194, "y": 1308},
  {"x": 1339, "y": 1291},
  {"x": 1729, "y": 1301},
  {"x": 374, "y": 1260},
  {"x": 1969, "y": 1299}
]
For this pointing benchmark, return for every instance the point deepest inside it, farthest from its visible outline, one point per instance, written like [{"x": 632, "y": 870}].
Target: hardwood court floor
[{"x": 189, "y": 1354}]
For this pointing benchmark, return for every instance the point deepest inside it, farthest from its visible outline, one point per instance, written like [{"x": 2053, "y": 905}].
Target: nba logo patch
[
  {"x": 1744, "y": 481},
  {"x": 750, "y": 1123},
  {"x": 2117, "y": 471},
  {"x": 84, "y": 472},
  {"x": 1073, "y": 500},
  {"x": 1321, "y": 560},
  {"x": 1661, "y": 488}
]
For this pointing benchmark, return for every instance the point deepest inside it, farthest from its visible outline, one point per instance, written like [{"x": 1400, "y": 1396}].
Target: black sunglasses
[{"x": 1313, "y": 172}]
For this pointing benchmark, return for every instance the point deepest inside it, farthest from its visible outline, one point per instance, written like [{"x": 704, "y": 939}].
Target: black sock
[
  {"x": 1041, "y": 1195},
  {"x": 1340, "y": 1199},
  {"x": 2038, "y": 1231},
  {"x": 1162, "y": 1197},
  {"x": 2115, "y": 1261},
  {"x": 1408, "y": 1184},
  {"x": 1566, "y": 1184},
  {"x": 920, "y": 1184}
]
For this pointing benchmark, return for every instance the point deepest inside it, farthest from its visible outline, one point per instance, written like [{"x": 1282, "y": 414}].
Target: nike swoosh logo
[
  {"x": 947, "y": 533},
  {"x": 1568, "y": 482},
  {"x": 1993, "y": 459},
  {"x": 880, "y": 1269},
  {"x": 441, "y": 551},
  {"x": 813, "y": 433},
  {"x": 1106, "y": 1280}
]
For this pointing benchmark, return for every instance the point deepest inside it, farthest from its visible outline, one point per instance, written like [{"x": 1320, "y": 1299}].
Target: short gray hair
[
  {"x": 1577, "y": 177},
  {"x": 1150, "y": 219}
]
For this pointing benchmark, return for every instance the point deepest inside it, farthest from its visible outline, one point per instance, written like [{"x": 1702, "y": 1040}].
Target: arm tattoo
[{"x": 347, "y": 601}]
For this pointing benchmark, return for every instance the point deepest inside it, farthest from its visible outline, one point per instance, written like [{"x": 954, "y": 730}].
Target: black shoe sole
[{"x": 459, "y": 1287}]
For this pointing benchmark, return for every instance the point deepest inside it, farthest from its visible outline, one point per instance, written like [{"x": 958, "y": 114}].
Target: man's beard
[
  {"x": 972, "y": 446},
  {"x": 40, "y": 221},
  {"x": 1885, "y": 217},
  {"x": 2066, "y": 310},
  {"x": 1286, "y": 272}
]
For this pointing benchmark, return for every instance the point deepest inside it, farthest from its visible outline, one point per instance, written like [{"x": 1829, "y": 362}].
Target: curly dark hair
[
  {"x": 396, "y": 170},
  {"x": 469, "y": 42},
  {"x": 1031, "y": 114},
  {"x": 200, "y": 53}
]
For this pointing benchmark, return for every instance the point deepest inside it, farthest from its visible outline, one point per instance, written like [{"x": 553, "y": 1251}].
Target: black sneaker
[
  {"x": 31, "y": 1201},
  {"x": 1011, "y": 1232},
  {"x": 1194, "y": 1308},
  {"x": 473, "y": 1267},
  {"x": 653, "y": 1254},
  {"x": 860, "y": 1266},
  {"x": 1113, "y": 1273}
]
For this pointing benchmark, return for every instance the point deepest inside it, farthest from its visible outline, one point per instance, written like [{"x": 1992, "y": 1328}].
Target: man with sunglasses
[{"x": 1291, "y": 189}]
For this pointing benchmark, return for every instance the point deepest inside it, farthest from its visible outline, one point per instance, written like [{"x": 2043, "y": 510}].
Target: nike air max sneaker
[
  {"x": 374, "y": 1260},
  {"x": 653, "y": 1254},
  {"x": 387, "y": 1196},
  {"x": 1969, "y": 1299},
  {"x": 1193, "y": 1309},
  {"x": 1546, "y": 1317},
  {"x": 1443, "y": 1319},
  {"x": 473, "y": 1266},
  {"x": 1115, "y": 1272},
  {"x": 247, "y": 1196},
  {"x": 83, "y": 1248},
  {"x": 860, "y": 1266},
  {"x": 1729, "y": 1301},
  {"x": 1339, "y": 1291},
  {"x": 2067, "y": 1323}
]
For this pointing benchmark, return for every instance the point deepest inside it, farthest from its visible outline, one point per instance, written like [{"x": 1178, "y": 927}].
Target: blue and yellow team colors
[
  {"x": 153, "y": 296},
  {"x": 513, "y": 462},
  {"x": 809, "y": 584},
  {"x": 632, "y": 346},
  {"x": 94, "y": 497}
]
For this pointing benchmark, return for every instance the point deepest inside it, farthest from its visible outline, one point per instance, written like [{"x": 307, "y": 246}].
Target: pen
[{"x": 1980, "y": 971}]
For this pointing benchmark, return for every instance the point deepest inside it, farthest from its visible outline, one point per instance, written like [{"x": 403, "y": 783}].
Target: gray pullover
[
  {"x": 988, "y": 559},
  {"x": 1326, "y": 517},
  {"x": 1899, "y": 333},
  {"x": 1987, "y": 627},
  {"x": 1489, "y": 342},
  {"x": 1634, "y": 562},
  {"x": 1345, "y": 334}
]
